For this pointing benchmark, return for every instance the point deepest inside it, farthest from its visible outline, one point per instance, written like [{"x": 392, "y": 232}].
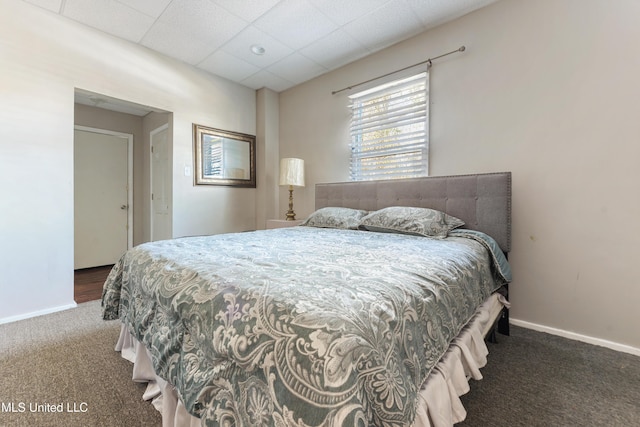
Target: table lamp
[{"x": 291, "y": 174}]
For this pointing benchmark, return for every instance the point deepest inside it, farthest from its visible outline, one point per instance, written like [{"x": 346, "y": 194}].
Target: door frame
[
  {"x": 129, "y": 138},
  {"x": 151, "y": 135}
]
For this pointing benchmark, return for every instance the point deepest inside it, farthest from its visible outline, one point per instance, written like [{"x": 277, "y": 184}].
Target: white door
[
  {"x": 101, "y": 199},
  {"x": 160, "y": 184}
]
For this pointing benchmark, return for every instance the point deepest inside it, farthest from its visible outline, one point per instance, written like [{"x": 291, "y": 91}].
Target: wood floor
[{"x": 88, "y": 283}]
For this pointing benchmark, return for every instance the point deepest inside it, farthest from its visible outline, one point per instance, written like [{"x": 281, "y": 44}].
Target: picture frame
[{"x": 224, "y": 157}]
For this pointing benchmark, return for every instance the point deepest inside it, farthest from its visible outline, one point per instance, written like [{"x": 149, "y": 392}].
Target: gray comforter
[{"x": 301, "y": 326}]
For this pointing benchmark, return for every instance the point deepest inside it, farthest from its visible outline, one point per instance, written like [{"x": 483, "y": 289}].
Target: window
[{"x": 390, "y": 130}]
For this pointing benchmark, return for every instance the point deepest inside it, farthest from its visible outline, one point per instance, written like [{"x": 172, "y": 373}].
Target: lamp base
[{"x": 291, "y": 215}]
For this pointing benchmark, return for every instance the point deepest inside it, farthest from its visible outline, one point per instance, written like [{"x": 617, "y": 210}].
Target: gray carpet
[
  {"x": 537, "y": 379},
  {"x": 532, "y": 379},
  {"x": 68, "y": 358}
]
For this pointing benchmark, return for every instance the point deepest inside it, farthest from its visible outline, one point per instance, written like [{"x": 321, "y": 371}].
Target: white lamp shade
[{"x": 292, "y": 172}]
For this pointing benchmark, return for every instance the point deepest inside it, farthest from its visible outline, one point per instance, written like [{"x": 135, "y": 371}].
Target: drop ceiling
[{"x": 302, "y": 39}]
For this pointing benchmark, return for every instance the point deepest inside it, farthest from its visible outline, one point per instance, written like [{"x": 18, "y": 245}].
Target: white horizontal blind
[
  {"x": 390, "y": 130},
  {"x": 212, "y": 158}
]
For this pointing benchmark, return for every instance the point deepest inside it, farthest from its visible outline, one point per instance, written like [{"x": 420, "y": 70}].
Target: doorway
[
  {"x": 103, "y": 214},
  {"x": 93, "y": 113}
]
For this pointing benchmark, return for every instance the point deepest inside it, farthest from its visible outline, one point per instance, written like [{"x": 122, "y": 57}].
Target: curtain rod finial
[{"x": 462, "y": 48}]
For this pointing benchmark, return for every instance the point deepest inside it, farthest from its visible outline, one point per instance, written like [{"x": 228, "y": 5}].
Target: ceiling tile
[
  {"x": 296, "y": 23},
  {"x": 191, "y": 29},
  {"x": 296, "y": 68},
  {"x": 249, "y": 10},
  {"x": 153, "y": 8},
  {"x": 302, "y": 38},
  {"x": 266, "y": 79},
  {"x": 387, "y": 25},
  {"x": 240, "y": 47},
  {"x": 335, "y": 50},
  {"x": 109, "y": 16},
  {"x": 169, "y": 40},
  {"x": 435, "y": 12},
  {"x": 228, "y": 66},
  {"x": 52, "y": 5},
  {"x": 343, "y": 12}
]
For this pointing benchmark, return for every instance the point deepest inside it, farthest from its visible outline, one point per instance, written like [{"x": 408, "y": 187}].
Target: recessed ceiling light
[{"x": 257, "y": 49}]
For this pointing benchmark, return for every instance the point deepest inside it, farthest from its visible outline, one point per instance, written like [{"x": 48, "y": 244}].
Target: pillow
[
  {"x": 407, "y": 220},
  {"x": 334, "y": 217}
]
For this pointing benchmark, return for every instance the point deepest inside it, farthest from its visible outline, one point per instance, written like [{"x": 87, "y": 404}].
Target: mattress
[{"x": 320, "y": 326}]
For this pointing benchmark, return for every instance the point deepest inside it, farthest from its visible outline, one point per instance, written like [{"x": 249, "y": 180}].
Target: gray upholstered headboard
[{"x": 482, "y": 201}]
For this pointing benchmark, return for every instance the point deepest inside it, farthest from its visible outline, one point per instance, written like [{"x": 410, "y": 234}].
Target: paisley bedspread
[{"x": 300, "y": 326}]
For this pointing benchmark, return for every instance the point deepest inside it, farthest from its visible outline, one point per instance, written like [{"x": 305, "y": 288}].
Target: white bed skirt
[{"x": 439, "y": 400}]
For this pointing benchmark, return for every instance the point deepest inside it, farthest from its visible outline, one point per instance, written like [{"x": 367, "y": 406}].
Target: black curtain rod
[{"x": 428, "y": 61}]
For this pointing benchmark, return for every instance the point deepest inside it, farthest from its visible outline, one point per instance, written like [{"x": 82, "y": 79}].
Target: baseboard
[
  {"x": 577, "y": 337},
  {"x": 37, "y": 313}
]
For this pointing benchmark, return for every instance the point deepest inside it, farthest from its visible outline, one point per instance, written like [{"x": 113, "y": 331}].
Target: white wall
[
  {"x": 43, "y": 58},
  {"x": 547, "y": 89}
]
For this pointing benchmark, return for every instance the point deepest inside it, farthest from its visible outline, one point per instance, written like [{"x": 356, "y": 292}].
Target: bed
[{"x": 371, "y": 313}]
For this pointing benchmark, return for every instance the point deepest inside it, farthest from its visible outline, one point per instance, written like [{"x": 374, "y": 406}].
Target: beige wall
[
  {"x": 547, "y": 89},
  {"x": 267, "y": 148},
  {"x": 43, "y": 59}
]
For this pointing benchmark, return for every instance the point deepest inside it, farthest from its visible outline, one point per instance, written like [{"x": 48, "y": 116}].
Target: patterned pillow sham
[
  {"x": 335, "y": 217},
  {"x": 409, "y": 220}
]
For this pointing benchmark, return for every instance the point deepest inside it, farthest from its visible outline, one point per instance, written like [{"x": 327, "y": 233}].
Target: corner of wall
[{"x": 268, "y": 148}]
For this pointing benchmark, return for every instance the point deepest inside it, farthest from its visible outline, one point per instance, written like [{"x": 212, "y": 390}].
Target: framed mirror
[{"x": 224, "y": 157}]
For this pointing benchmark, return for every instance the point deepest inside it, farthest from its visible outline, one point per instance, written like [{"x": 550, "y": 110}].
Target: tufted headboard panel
[{"x": 482, "y": 201}]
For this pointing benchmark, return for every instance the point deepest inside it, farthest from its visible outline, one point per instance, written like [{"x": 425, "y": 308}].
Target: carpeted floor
[
  {"x": 537, "y": 379},
  {"x": 66, "y": 361}
]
